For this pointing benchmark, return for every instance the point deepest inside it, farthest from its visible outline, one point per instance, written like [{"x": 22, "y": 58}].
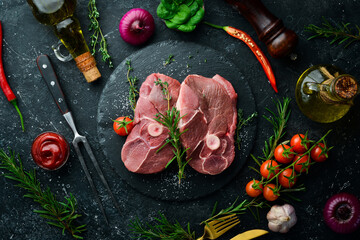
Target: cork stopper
[
  {"x": 87, "y": 65},
  {"x": 346, "y": 87}
]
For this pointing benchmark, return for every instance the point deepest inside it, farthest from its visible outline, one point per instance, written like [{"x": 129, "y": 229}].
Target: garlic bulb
[{"x": 281, "y": 218}]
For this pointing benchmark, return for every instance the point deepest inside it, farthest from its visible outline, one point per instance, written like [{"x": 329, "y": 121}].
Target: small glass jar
[
  {"x": 50, "y": 150},
  {"x": 324, "y": 93}
]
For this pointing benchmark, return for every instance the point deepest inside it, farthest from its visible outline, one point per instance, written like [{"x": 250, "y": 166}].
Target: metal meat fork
[{"x": 50, "y": 78}]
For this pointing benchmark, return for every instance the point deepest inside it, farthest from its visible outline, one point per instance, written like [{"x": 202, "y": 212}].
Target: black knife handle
[{"x": 50, "y": 78}]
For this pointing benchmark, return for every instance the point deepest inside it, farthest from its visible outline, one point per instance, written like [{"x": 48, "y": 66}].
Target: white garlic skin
[{"x": 281, "y": 218}]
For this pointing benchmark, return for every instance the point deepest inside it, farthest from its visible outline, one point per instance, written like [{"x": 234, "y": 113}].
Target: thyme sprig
[
  {"x": 241, "y": 123},
  {"x": 171, "y": 119},
  {"x": 97, "y": 33},
  {"x": 340, "y": 32},
  {"x": 133, "y": 92},
  {"x": 165, "y": 90},
  {"x": 162, "y": 229},
  {"x": 58, "y": 214}
]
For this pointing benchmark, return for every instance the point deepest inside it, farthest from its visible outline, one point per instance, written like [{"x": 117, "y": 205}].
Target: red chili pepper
[
  {"x": 243, "y": 36},
  {"x": 5, "y": 85}
]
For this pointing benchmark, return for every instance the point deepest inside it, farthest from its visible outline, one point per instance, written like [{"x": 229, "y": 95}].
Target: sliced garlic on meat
[
  {"x": 155, "y": 129},
  {"x": 213, "y": 142}
]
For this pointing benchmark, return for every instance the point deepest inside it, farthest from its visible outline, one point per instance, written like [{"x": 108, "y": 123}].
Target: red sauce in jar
[{"x": 50, "y": 150}]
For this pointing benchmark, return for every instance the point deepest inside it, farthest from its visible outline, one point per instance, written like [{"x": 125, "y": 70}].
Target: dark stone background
[{"x": 25, "y": 39}]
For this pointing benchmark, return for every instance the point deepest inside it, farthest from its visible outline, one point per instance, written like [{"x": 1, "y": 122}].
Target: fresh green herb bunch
[
  {"x": 182, "y": 15},
  {"x": 341, "y": 33},
  {"x": 97, "y": 33},
  {"x": 58, "y": 214},
  {"x": 133, "y": 92}
]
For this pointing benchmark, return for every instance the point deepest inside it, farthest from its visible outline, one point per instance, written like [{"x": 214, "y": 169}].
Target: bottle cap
[
  {"x": 346, "y": 86},
  {"x": 87, "y": 65}
]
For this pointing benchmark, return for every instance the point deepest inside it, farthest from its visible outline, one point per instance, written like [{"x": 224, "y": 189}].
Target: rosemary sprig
[
  {"x": 171, "y": 120},
  {"x": 241, "y": 123},
  {"x": 133, "y": 92},
  {"x": 58, "y": 214},
  {"x": 278, "y": 120},
  {"x": 169, "y": 60},
  {"x": 161, "y": 229},
  {"x": 340, "y": 32},
  {"x": 97, "y": 33},
  {"x": 235, "y": 208}
]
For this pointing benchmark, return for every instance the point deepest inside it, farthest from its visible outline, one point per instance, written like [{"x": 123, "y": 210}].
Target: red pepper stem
[
  {"x": 14, "y": 102},
  {"x": 243, "y": 36},
  {"x": 215, "y": 26}
]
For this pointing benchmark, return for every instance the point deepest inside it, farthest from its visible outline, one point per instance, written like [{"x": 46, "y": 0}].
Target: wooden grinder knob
[{"x": 279, "y": 40}]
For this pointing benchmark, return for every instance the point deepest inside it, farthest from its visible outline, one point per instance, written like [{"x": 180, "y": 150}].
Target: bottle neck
[{"x": 341, "y": 89}]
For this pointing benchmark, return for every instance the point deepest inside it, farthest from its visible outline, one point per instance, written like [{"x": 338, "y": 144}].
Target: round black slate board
[{"x": 189, "y": 58}]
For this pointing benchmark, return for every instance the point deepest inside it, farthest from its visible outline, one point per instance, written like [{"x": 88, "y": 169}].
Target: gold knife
[{"x": 250, "y": 234}]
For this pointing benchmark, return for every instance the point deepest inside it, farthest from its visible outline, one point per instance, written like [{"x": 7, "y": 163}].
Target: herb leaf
[{"x": 241, "y": 123}]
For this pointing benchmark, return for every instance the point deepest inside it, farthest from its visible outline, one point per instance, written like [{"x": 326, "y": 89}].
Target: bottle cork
[{"x": 87, "y": 65}]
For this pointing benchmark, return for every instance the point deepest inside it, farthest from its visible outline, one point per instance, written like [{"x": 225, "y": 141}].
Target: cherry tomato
[
  {"x": 302, "y": 163},
  {"x": 299, "y": 143},
  {"x": 269, "y": 168},
  {"x": 319, "y": 153},
  {"x": 282, "y": 153},
  {"x": 253, "y": 189},
  {"x": 269, "y": 192},
  {"x": 123, "y": 126},
  {"x": 287, "y": 178}
]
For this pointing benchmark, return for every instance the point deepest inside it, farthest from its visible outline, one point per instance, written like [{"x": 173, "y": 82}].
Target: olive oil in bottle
[
  {"x": 59, "y": 14},
  {"x": 324, "y": 93}
]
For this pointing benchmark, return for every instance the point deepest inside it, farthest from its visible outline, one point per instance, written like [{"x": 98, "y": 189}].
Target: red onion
[
  {"x": 342, "y": 213},
  {"x": 136, "y": 26}
]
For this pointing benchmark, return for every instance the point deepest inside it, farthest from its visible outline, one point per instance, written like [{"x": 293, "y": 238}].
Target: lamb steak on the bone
[
  {"x": 209, "y": 109},
  {"x": 139, "y": 152}
]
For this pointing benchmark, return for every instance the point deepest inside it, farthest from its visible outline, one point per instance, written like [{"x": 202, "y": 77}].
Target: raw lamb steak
[
  {"x": 139, "y": 151},
  {"x": 209, "y": 109}
]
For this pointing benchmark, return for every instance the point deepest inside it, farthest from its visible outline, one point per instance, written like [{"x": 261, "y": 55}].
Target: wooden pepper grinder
[{"x": 279, "y": 40}]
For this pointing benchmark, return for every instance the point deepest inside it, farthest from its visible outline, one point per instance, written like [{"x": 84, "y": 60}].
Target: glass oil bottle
[
  {"x": 59, "y": 14},
  {"x": 324, "y": 93}
]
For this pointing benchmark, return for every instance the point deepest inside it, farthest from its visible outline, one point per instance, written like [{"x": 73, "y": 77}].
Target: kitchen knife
[{"x": 250, "y": 234}]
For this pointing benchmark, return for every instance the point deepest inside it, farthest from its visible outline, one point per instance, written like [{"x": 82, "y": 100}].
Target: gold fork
[{"x": 218, "y": 227}]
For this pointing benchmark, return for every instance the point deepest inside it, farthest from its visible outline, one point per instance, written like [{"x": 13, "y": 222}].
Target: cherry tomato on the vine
[
  {"x": 302, "y": 163},
  {"x": 269, "y": 168},
  {"x": 319, "y": 153},
  {"x": 283, "y": 153},
  {"x": 287, "y": 178},
  {"x": 269, "y": 193},
  {"x": 253, "y": 188},
  {"x": 299, "y": 143},
  {"x": 123, "y": 126}
]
